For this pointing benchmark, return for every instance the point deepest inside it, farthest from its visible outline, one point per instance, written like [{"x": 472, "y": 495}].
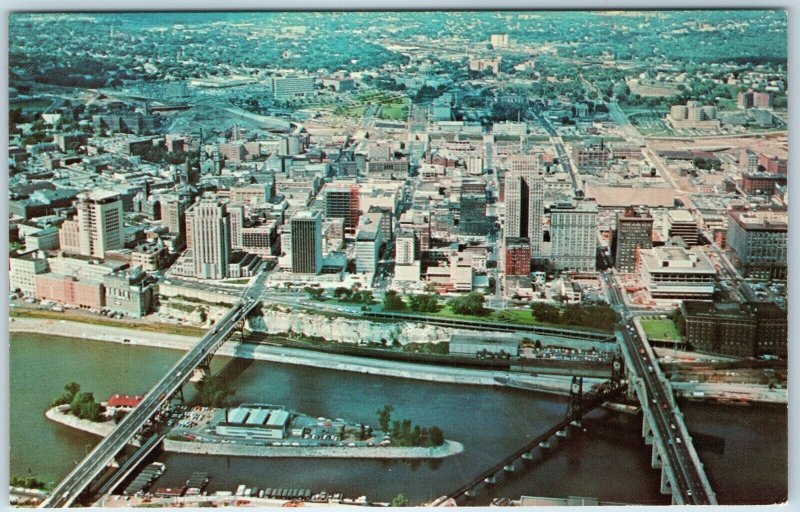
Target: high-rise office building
[
  {"x": 634, "y": 232},
  {"x": 404, "y": 248},
  {"x": 682, "y": 224},
  {"x": 340, "y": 201},
  {"x": 173, "y": 214},
  {"x": 524, "y": 197},
  {"x": 99, "y": 222},
  {"x": 517, "y": 257},
  {"x": 306, "y": 237},
  {"x": 237, "y": 224},
  {"x": 573, "y": 236},
  {"x": 758, "y": 241},
  {"x": 211, "y": 237}
]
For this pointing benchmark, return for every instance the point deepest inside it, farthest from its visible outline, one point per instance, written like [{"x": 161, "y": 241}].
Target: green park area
[
  {"x": 394, "y": 112},
  {"x": 660, "y": 329}
]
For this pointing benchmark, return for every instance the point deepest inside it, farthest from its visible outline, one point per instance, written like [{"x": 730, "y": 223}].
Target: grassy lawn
[
  {"x": 660, "y": 329},
  {"x": 515, "y": 316},
  {"x": 394, "y": 111},
  {"x": 184, "y": 330}
]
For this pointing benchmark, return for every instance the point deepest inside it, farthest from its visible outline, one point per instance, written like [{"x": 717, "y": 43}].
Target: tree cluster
[
  {"x": 28, "y": 482},
  {"x": 352, "y": 295},
  {"x": 85, "y": 407},
  {"x": 600, "y": 316},
  {"x": 469, "y": 304},
  {"x": 424, "y": 303},
  {"x": 404, "y": 433}
]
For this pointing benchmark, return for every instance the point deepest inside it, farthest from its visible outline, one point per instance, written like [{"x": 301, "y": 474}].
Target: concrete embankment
[
  {"x": 448, "y": 449},
  {"x": 61, "y": 415}
]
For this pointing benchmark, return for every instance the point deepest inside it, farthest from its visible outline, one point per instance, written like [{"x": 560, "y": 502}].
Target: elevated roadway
[
  {"x": 80, "y": 478},
  {"x": 682, "y": 473}
]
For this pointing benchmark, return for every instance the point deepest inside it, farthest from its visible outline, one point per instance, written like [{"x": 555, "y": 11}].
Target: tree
[
  {"x": 314, "y": 293},
  {"x": 437, "y": 436},
  {"x": 393, "y": 302},
  {"x": 342, "y": 293},
  {"x": 469, "y": 304},
  {"x": 399, "y": 501},
  {"x": 385, "y": 416},
  {"x": 546, "y": 313},
  {"x": 84, "y": 407},
  {"x": 423, "y": 303},
  {"x": 70, "y": 390}
]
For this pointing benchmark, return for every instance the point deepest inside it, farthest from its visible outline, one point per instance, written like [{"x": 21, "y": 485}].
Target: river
[{"x": 490, "y": 422}]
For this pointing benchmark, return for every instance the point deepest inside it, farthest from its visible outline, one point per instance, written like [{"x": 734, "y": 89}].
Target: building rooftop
[
  {"x": 763, "y": 220},
  {"x": 671, "y": 258}
]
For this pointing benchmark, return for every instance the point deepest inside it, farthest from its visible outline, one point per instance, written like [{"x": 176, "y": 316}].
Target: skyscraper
[
  {"x": 237, "y": 223},
  {"x": 573, "y": 236},
  {"x": 99, "y": 222},
  {"x": 173, "y": 214},
  {"x": 306, "y": 242},
  {"x": 524, "y": 197},
  {"x": 341, "y": 202},
  {"x": 634, "y": 232},
  {"x": 211, "y": 238}
]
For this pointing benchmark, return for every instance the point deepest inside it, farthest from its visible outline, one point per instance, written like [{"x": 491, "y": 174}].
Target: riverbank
[
  {"x": 448, "y": 449},
  {"x": 59, "y": 414},
  {"x": 453, "y": 375},
  {"x": 552, "y": 384}
]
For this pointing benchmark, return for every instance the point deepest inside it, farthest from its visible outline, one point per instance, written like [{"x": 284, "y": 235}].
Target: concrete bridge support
[
  {"x": 491, "y": 480},
  {"x": 655, "y": 458},
  {"x": 563, "y": 433},
  {"x": 528, "y": 455},
  {"x": 509, "y": 468},
  {"x": 544, "y": 444},
  {"x": 666, "y": 487},
  {"x": 647, "y": 431}
]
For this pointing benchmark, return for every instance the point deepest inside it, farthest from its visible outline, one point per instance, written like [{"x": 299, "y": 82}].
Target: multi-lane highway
[
  {"x": 691, "y": 482},
  {"x": 103, "y": 454}
]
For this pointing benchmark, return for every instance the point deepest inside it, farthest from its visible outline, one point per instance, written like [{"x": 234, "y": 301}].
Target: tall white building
[
  {"x": 573, "y": 236},
  {"x": 306, "y": 242},
  {"x": 524, "y": 198},
  {"x": 368, "y": 243},
  {"x": 211, "y": 238},
  {"x": 99, "y": 222},
  {"x": 404, "y": 248}
]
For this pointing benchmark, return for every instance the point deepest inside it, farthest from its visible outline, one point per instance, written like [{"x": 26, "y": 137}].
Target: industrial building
[{"x": 254, "y": 421}]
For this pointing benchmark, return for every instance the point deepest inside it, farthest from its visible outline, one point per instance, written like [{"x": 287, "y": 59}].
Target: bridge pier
[
  {"x": 529, "y": 455},
  {"x": 647, "y": 432},
  {"x": 509, "y": 468},
  {"x": 544, "y": 444},
  {"x": 562, "y": 433},
  {"x": 491, "y": 480},
  {"x": 666, "y": 487},
  {"x": 655, "y": 458},
  {"x": 576, "y": 423}
]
